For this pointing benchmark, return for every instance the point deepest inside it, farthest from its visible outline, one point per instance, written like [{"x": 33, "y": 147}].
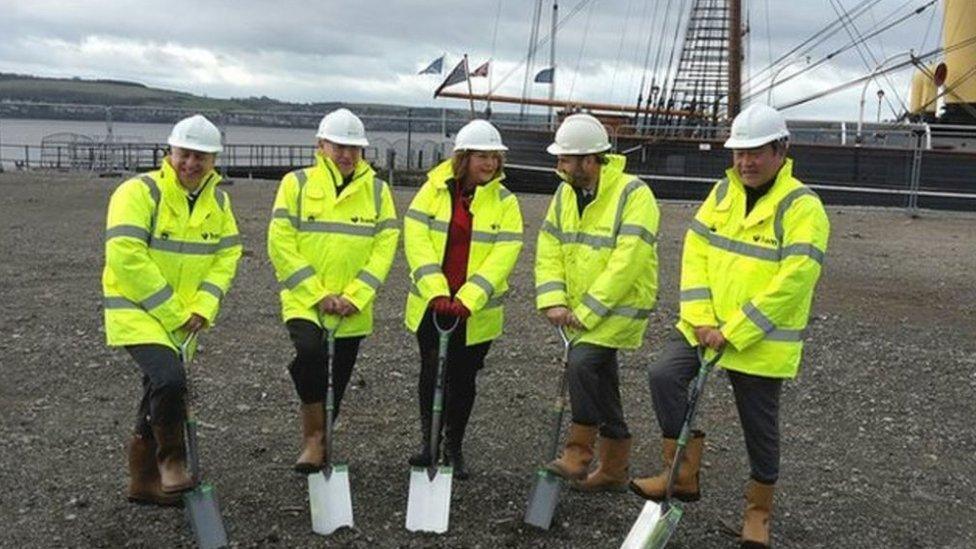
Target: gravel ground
[{"x": 878, "y": 437}]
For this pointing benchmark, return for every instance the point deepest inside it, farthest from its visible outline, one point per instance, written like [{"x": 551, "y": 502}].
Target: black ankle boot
[{"x": 455, "y": 458}]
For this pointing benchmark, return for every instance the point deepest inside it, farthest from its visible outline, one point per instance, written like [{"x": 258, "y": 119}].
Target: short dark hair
[{"x": 781, "y": 143}]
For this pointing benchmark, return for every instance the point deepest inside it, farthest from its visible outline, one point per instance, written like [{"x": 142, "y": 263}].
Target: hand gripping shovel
[
  {"x": 329, "y": 497},
  {"x": 545, "y": 492},
  {"x": 656, "y": 522},
  {"x": 202, "y": 509},
  {"x": 429, "y": 501}
]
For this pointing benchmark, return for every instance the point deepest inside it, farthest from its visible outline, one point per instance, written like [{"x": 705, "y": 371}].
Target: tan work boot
[
  {"x": 313, "y": 438},
  {"x": 759, "y": 510},
  {"x": 577, "y": 454},
  {"x": 686, "y": 485},
  {"x": 611, "y": 472},
  {"x": 171, "y": 458},
  {"x": 144, "y": 484}
]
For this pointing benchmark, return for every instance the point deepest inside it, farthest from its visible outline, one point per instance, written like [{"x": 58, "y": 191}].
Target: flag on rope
[
  {"x": 436, "y": 66},
  {"x": 481, "y": 70},
  {"x": 458, "y": 74},
  {"x": 545, "y": 76}
]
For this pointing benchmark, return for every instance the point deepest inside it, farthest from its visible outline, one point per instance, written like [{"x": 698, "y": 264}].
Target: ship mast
[{"x": 735, "y": 58}]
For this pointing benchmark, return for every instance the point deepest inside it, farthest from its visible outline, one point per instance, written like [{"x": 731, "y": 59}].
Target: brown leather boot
[
  {"x": 171, "y": 458},
  {"x": 144, "y": 484},
  {"x": 759, "y": 510},
  {"x": 313, "y": 437},
  {"x": 686, "y": 485},
  {"x": 577, "y": 454},
  {"x": 611, "y": 472}
]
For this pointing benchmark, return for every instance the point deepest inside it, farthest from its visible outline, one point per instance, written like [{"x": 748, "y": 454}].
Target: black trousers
[
  {"x": 309, "y": 368},
  {"x": 163, "y": 386},
  {"x": 594, "y": 389},
  {"x": 463, "y": 363},
  {"x": 756, "y": 398}
]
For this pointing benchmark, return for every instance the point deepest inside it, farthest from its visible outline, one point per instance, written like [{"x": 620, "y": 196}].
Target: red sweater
[{"x": 455, "y": 264}]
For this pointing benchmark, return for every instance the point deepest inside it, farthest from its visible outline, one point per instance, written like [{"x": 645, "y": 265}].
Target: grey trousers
[
  {"x": 163, "y": 386},
  {"x": 756, "y": 397},
  {"x": 594, "y": 389}
]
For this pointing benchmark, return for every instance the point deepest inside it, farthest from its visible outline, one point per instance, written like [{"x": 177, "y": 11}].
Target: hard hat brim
[
  {"x": 555, "y": 149},
  {"x": 733, "y": 143},
  {"x": 173, "y": 142},
  {"x": 500, "y": 148},
  {"x": 343, "y": 140}
]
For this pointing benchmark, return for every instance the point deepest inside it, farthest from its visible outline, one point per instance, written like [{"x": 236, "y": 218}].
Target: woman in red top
[{"x": 459, "y": 269}]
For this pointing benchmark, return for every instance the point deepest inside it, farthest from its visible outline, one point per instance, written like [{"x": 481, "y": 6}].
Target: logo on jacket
[{"x": 764, "y": 240}]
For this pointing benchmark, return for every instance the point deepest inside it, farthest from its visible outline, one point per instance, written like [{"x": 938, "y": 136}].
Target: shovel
[
  {"x": 656, "y": 522},
  {"x": 202, "y": 508},
  {"x": 429, "y": 501},
  {"x": 545, "y": 492},
  {"x": 329, "y": 497}
]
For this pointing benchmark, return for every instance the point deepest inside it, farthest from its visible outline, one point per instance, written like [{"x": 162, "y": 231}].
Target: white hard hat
[
  {"x": 342, "y": 127},
  {"x": 756, "y": 126},
  {"x": 196, "y": 133},
  {"x": 478, "y": 135},
  {"x": 580, "y": 134}
]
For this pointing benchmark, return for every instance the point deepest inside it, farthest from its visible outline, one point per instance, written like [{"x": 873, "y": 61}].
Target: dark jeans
[
  {"x": 463, "y": 363},
  {"x": 309, "y": 368},
  {"x": 756, "y": 397},
  {"x": 163, "y": 386},
  {"x": 594, "y": 389}
]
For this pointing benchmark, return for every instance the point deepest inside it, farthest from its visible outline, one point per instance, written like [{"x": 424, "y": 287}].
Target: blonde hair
[{"x": 459, "y": 163}]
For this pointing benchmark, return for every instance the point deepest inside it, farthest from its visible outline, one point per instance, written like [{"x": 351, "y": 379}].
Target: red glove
[
  {"x": 441, "y": 305},
  {"x": 459, "y": 310}
]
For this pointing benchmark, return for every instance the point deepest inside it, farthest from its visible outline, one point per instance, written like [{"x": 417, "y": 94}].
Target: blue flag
[
  {"x": 545, "y": 76},
  {"x": 436, "y": 66}
]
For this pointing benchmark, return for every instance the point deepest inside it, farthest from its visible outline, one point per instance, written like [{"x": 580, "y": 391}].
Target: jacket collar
[
  {"x": 439, "y": 175},
  {"x": 766, "y": 205},
  {"x": 362, "y": 171}
]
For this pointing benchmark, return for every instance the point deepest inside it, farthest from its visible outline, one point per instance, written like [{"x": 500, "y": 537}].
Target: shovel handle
[
  {"x": 190, "y": 424},
  {"x": 329, "y": 335}
]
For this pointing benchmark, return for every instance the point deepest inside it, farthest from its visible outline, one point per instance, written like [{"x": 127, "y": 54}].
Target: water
[{"x": 16, "y": 133}]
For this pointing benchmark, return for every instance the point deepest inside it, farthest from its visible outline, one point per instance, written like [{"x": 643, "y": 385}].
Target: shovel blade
[
  {"x": 203, "y": 514},
  {"x": 330, "y": 500},
  {"x": 429, "y": 501},
  {"x": 652, "y": 529},
  {"x": 543, "y": 499}
]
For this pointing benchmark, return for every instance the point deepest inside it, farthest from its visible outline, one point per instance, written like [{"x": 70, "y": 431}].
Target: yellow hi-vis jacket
[
  {"x": 322, "y": 244},
  {"x": 603, "y": 264},
  {"x": 162, "y": 262},
  {"x": 754, "y": 275},
  {"x": 496, "y": 240}
]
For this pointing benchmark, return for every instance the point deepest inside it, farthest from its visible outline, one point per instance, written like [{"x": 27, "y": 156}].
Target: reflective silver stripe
[
  {"x": 599, "y": 308},
  {"x": 433, "y": 224},
  {"x": 183, "y": 247},
  {"x": 157, "y": 298},
  {"x": 785, "y": 335},
  {"x": 495, "y": 301},
  {"x": 483, "y": 236},
  {"x": 743, "y": 248},
  {"x": 784, "y": 205},
  {"x": 632, "y": 186},
  {"x": 548, "y": 227},
  {"x": 298, "y": 277},
  {"x": 630, "y": 312},
  {"x": 482, "y": 283},
  {"x": 696, "y": 294},
  {"x": 302, "y": 176},
  {"x": 503, "y": 193},
  {"x": 508, "y": 236},
  {"x": 387, "y": 224},
  {"x": 415, "y": 290},
  {"x": 131, "y": 231},
  {"x": 636, "y": 230},
  {"x": 424, "y": 270},
  {"x": 378, "y": 185},
  {"x": 153, "y": 187},
  {"x": 336, "y": 227},
  {"x": 212, "y": 289},
  {"x": 282, "y": 213},
  {"x": 554, "y": 286},
  {"x": 230, "y": 242},
  {"x": 803, "y": 249},
  {"x": 758, "y": 318},
  {"x": 721, "y": 190},
  {"x": 221, "y": 198},
  {"x": 592, "y": 240},
  {"x": 368, "y": 279},
  {"x": 119, "y": 303},
  {"x": 700, "y": 228}
]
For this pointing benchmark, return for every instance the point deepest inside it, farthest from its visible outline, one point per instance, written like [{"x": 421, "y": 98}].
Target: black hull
[{"x": 687, "y": 169}]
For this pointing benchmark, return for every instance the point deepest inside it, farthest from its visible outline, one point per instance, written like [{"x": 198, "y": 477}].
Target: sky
[{"x": 369, "y": 51}]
